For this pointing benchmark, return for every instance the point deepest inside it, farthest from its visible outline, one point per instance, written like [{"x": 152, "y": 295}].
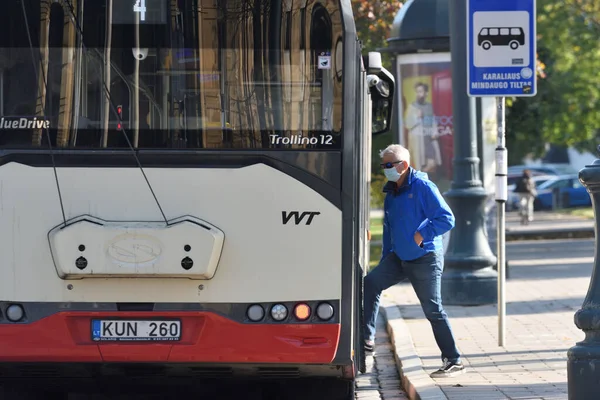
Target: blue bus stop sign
[{"x": 501, "y": 48}]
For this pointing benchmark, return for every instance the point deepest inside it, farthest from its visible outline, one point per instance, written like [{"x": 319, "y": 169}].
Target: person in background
[
  {"x": 415, "y": 218},
  {"x": 526, "y": 189}
]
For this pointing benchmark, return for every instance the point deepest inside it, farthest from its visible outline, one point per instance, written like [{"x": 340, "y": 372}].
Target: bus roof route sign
[{"x": 501, "y": 48}]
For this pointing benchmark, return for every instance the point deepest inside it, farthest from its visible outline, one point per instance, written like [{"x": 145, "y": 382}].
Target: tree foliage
[
  {"x": 566, "y": 110},
  {"x": 373, "y": 21}
]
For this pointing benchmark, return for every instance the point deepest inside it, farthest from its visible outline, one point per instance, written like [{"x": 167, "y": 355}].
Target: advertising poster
[{"x": 425, "y": 114}]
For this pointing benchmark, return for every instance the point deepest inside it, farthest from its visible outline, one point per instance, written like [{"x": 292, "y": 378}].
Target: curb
[
  {"x": 579, "y": 233},
  {"x": 417, "y": 384}
]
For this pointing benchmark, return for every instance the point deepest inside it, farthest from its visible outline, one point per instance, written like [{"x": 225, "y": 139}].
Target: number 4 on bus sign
[{"x": 140, "y": 7}]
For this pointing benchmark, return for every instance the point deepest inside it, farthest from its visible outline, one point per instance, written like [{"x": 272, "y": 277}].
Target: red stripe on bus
[{"x": 206, "y": 337}]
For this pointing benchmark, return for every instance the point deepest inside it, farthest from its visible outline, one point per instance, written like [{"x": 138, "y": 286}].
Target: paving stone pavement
[
  {"x": 549, "y": 280},
  {"x": 381, "y": 380}
]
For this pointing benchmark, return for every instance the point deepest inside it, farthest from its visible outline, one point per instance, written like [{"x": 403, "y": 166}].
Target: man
[
  {"x": 423, "y": 131},
  {"x": 415, "y": 217}
]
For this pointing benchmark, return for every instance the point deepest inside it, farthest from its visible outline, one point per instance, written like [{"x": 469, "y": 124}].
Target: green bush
[{"x": 377, "y": 195}]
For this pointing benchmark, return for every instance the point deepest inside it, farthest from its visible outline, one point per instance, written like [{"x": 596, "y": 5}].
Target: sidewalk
[
  {"x": 549, "y": 280},
  {"x": 549, "y": 225}
]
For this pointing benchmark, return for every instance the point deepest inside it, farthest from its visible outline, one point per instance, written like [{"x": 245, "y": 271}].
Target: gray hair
[{"x": 400, "y": 152}]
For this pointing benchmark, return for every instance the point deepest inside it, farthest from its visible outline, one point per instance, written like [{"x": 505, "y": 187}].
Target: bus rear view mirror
[
  {"x": 381, "y": 86},
  {"x": 373, "y": 62}
]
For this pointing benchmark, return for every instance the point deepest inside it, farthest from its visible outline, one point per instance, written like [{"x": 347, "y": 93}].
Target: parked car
[
  {"x": 515, "y": 172},
  {"x": 512, "y": 202},
  {"x": 572, "y": 193}
]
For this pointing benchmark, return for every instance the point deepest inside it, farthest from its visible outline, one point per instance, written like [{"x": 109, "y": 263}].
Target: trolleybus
[{"x": 184, "y": 187}]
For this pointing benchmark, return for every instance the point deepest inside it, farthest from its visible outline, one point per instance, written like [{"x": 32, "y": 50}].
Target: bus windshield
[{"x": 176, "y": 74}]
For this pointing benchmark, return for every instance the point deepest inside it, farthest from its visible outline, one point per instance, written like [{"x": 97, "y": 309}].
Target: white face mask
[{"x": 391, "y": 174}]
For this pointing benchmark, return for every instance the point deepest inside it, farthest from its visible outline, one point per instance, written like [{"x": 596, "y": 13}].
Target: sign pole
[
  {"x": 501, "y": 197},
  {"x": 501, "y": 62}
]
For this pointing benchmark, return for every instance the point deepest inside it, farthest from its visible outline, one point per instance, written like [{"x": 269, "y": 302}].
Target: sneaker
[
  {"x": 369, "y": 345},
  {"x": 448, "y": 369}
]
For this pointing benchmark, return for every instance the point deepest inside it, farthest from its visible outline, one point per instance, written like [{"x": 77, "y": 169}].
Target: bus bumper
[{"x": 205, "y": 338}]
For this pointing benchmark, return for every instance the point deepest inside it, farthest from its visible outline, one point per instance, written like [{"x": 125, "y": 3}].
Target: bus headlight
[
  {"x": 325, "y": 311},
  {"x": 15, "y": 313},
  {"x": 255, "y": 312},
  {"x": 279, "y": 312}
]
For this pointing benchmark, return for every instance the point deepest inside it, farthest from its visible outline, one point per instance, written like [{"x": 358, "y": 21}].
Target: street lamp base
[
  {"x": 469, "y": 287},
  {"x": 583, "y": 371},
  {"x": 469, "y": 278}
]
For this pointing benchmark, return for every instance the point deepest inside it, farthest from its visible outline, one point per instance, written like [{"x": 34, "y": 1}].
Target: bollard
[{"x": 583, "y": 363}]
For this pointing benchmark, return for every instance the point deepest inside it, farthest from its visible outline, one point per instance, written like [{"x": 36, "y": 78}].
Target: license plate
[{"x": 135, "y": 330}]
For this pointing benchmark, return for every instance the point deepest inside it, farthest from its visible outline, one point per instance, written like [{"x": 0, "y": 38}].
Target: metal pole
[
  {"x": 136, "y": 86},
  {"x": 107, "y": 67},
  {"x": 1, "y": 92},
  {"x": 501, "y": 197},
  {"x": 78, "y": 74}
]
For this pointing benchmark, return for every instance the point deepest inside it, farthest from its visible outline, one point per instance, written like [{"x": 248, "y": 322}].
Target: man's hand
[{"x": 418, "y": 238}]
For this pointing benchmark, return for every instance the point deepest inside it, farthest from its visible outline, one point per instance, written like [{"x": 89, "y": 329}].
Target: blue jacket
[{"x": 417, "y": 205}]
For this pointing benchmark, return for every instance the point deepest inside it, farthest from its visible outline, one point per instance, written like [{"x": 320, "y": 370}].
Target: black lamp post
[
  {"x": 583, "y": 365},
  {"x": 469, "y": 278}
]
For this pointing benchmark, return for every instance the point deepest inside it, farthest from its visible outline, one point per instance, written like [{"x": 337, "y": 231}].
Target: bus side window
[
  {"x": 484, "y": 32},
  {"x": 494, "y": 31},
  {"x": 515, "y": 31},
  {"x": 504, "y": 31}
]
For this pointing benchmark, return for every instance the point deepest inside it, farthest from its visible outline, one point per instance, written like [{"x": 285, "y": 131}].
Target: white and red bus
[{"x": 184, "y": 186}]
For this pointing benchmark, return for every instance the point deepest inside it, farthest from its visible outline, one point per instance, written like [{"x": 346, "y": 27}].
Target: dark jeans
[{"x": 425, "y": 275}]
